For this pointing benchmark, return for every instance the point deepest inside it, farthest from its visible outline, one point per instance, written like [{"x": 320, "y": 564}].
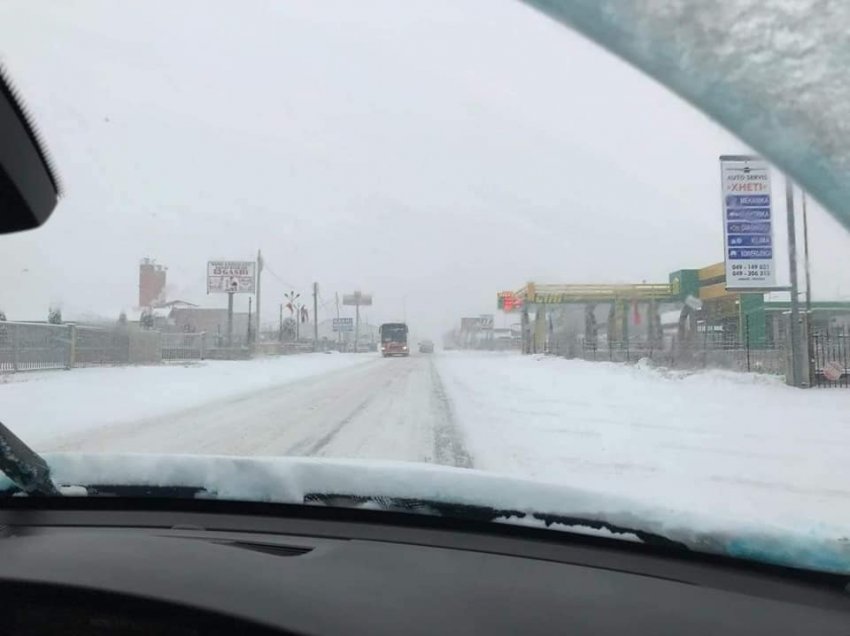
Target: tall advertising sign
[{"x": 749, "y": 249}]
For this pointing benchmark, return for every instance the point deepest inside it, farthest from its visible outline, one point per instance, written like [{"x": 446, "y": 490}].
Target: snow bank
[
  {"x": 743, "y": 448},
  {"x": 288, "y": 480},
  {"x": 39, "y": 406}
]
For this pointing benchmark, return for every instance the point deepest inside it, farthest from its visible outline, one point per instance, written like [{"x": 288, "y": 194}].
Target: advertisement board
[
  {"x": 231, "y": 277},
  {"x": 343, "y": 324},
  {"x": 357, "y": 298},
  {"x": 747, "y": 223}
]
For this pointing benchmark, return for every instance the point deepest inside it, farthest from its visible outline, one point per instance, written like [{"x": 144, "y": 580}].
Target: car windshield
[{"x": 616, "y": 309}]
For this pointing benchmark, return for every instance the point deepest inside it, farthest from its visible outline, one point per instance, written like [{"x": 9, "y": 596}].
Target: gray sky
[{"x": 439, "y": 151}]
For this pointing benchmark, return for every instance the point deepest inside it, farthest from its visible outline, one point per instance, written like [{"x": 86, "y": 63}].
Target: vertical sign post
[
  {"x": 357, "y": 299},
  {"x": 747, "y": 223}
]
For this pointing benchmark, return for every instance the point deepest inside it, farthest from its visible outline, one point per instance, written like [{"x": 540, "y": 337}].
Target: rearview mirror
[{"x": 29, "y": 188}]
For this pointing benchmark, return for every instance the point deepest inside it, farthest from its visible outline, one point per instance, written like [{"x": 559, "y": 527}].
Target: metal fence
[
  {"x": 829, "y": 353},
  {"x": 183, "y": 346},
  {"x": 180, "y": 346},
  {"x": 100, "y": 346},
  {"x": 33, "y": 346},
  {"x": 733, "y": 356},
  {"x": 26, "y": 346}
]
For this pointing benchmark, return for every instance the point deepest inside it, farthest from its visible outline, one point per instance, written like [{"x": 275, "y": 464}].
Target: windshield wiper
[
  {"x": 487, "y": 513},
  {"x": 24, "y": 467}
]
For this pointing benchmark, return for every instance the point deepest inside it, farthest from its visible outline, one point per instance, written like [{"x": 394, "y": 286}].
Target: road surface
[{"x": 393, "y": 409}]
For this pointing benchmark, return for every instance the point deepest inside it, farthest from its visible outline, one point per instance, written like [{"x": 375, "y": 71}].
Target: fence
[
  {"x": 99, "y": 346},
  {"x": 828, "y": 353},
  {"x": 33, "y": 346},
  {"x": 26, "y": 346},
  {"x": 178, "y": 346},
  {"x": 183, "y": 346}
]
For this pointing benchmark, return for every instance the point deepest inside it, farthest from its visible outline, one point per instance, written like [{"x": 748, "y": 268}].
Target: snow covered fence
[{"x": 34, "y": 346}]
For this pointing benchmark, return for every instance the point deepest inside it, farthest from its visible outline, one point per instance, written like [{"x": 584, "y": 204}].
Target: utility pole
[
  {"x": 356, "y": 326},
  {"x": 315, "y": 316},
  {"x": 810, "y": 353},
  {"x": 806, "y": 250},
  {"x": 250, "y": 325},
  {"x": 338, "y": 325},
  {"x": 229, "y": 319},
  {"x": 259, "y": 273},
  {"x": 796, "y": 349},
  {"x": 280, "y": 325}
]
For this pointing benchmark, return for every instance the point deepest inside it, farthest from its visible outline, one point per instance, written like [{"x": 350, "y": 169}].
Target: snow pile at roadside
[
  {"x": 740, "y": 446},
  {"x": 38, "y": 406},
  {"x": 289, "y": 480}
]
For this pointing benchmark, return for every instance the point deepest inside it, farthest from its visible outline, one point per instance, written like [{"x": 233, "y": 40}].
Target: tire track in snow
[
  {"x": 311, "y": 448},
  {"x": 449, "y": 447}
]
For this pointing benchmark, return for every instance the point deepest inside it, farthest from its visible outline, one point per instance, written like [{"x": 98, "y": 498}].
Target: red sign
[{"x": 508, "y": 301}]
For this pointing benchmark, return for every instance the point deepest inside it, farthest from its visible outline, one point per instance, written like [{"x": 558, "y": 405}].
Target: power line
[{"x": 275, "y": 276}]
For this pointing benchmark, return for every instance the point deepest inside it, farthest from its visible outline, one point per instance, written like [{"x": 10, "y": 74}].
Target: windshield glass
[
  {"x": 393, "y": 333},
  {"x": 266, "y": 201}
]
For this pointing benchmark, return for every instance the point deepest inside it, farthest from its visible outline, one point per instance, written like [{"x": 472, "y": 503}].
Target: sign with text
[
  {"x": 485, "y": 321},
  {"x": 747, "y": 222},
  {"x": 357, "y": 298},
  {"x": 231, "y": 277},
  {"x": 343, "y": 324},
  {"x": 508, "y": 301}
]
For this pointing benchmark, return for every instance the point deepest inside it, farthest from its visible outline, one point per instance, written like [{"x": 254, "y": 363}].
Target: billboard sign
[
  {"x": 485, "y": 321},
  {"x": 508, "y": 301},
  {"x": 747, "y": 223},
  {"x": 469, "y": 324},
  {"x": 343, "y": 324},
  {"x": 357, "y": 298},
  {"x": 231, "y": 277}
]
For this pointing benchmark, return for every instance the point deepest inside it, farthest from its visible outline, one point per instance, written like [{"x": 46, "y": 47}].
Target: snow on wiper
[
  {"x": 23, "y": 466},
  {"x": 487, "y": 513}
]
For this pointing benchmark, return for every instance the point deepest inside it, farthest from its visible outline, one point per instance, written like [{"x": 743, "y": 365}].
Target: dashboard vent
[{"x": 269, "y": 548}]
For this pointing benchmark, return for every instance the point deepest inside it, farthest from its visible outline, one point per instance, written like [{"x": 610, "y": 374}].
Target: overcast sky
[{"x": 435, "y": 151}]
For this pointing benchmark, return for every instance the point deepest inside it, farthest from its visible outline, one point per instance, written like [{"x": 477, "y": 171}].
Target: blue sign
[
  {"x": 748, "y": 214},
  {"x": 746, "y": 201},
  {"x": 750, "y": 240},
  {"x": 343, "y": 324},
  {"x": 748, "y": 228},
  {"x": 748, "y": 254}
]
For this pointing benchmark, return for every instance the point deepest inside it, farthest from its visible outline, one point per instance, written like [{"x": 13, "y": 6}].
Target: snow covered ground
[
  {"x": 742, "y": 447},
  {"x": 43, "y": 406}
]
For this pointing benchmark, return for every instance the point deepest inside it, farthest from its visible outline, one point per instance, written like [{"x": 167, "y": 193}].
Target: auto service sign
[
  {"x": 231, "y": 277},
  {"x": 747, "y": 223}
]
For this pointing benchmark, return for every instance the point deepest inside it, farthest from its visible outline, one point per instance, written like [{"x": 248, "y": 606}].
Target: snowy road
[
  {"x": 382, "y": 409},
  {"x": 743, "y": 447}
]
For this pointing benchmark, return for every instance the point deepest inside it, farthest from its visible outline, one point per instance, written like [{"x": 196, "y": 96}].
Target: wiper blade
[
  {"x": 24, "y": 467},
  {"x": 487, "y": 513}
]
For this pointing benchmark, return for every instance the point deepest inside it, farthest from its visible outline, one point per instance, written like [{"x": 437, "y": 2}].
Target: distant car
[{"x": 426, "y": 346}]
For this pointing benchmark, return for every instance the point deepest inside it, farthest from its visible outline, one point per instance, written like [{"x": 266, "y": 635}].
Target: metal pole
[
  {"x": 356, "y": 324},
  {"x": 806, "y": 251},
  {"x": 229, "y": 319},
  {"x": 315, "y": 316},
  {"x": 280, "y": 325},
  {"x": 249, "y": 320},
  {"x": 809, "y": 349},
  {"x": 796, "y": 349},
  {"x": 259, "y": 272},
  {"x": 338, "y": 325}
]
